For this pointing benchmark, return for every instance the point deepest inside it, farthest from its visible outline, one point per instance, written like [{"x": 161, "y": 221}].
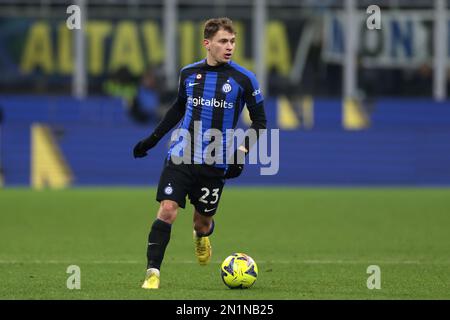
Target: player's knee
[
  {"x": 169, "y": 206},
  {"x": 168, "y": 211}
]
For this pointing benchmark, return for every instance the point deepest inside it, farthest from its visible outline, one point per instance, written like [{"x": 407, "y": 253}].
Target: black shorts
[{"x": 203, "y": 185}]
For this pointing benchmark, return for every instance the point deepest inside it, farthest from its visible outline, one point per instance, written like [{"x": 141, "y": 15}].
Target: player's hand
[
  {"x": 141, "y": 148},
  {"x": 139, "y": 151},
  {"x": 234, "y": 171},
  {"x": 237, "y": 165}
]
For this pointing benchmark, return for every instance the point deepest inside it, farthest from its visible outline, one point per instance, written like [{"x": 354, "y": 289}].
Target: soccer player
[{"x": 211, "y": 95}]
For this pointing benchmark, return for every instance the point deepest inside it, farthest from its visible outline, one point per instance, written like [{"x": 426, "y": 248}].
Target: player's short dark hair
[{"x": 215, "y": 24}]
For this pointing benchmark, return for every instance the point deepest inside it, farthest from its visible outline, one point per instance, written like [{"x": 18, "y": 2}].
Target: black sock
[
  {"x": 211, "y": 230},
  {"x": 157, "y": 242}
]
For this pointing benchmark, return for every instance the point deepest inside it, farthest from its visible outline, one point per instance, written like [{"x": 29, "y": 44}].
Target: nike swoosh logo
[
  {"x": 152, "y": 243},
  {"x": 190, "y": 84},
  {"x": 206, "y": 210}
]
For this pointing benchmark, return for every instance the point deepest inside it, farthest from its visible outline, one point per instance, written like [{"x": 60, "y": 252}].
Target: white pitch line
[{"x": 312, "y": 262}]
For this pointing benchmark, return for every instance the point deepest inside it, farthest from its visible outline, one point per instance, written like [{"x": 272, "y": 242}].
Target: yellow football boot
[
  {"x": 151, "y": 279},
  {"x": 203, "y": 249}
]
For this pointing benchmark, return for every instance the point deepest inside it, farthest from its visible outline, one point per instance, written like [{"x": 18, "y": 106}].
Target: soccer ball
[{"x": 239, "y": 271}]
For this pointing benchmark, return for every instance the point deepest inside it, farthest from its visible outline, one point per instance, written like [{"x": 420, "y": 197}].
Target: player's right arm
[{"x": 170, "y": 120}]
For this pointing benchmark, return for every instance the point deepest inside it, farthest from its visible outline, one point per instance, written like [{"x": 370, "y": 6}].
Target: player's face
[{"x": 221, "y": 47}]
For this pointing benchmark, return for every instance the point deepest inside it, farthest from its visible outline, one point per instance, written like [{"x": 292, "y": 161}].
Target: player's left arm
[
  {"x": 259, "y": 123},
  {"x": 255, "y": 105}
]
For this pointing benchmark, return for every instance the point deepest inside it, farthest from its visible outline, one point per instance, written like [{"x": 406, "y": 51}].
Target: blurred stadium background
[
  {"x": 355, "y": 107},
  {"x": 376, "y": 114}
]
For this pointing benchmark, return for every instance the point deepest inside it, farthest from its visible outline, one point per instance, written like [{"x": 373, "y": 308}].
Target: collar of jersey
[{"x": 222, "y": 66}]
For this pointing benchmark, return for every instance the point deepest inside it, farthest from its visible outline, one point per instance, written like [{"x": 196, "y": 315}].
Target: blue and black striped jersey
[{"x": 214, "y": 96}]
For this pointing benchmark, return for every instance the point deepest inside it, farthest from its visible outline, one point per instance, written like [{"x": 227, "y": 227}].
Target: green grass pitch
[{"x": 308, "y": 243}]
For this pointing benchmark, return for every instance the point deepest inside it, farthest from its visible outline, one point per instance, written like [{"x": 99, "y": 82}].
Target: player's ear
[{"x": 206, "y": 43}]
